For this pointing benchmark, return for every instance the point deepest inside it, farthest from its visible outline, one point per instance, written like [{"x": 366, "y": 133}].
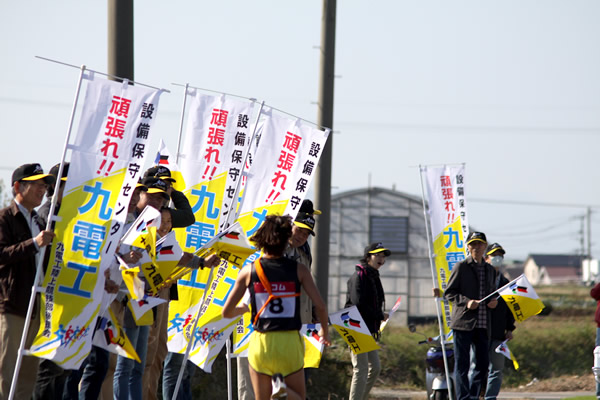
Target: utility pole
[
  {"x": 320, "y": 250},
  {"x": 589, "y": 233},
  {"x": 120, "y": 38},
  {"x": 582, "y": 239}
]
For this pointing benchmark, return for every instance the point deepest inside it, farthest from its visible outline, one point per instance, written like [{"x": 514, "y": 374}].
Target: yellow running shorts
[{"x": 276, "y": 352}]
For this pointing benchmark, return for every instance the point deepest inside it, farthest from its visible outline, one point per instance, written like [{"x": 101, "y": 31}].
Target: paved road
[{"x": 387, "y": 394}]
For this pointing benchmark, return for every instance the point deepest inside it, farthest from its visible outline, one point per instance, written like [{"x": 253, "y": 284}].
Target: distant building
[
  {"x": 552, "y": 269},
  {"x": 396, "y": 219},
  {"x": 512, "y": 268},
  {"x": 591, "y": 270}
]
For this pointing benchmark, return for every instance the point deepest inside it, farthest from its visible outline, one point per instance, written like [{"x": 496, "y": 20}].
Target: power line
[{"x": 534, "y": 203}]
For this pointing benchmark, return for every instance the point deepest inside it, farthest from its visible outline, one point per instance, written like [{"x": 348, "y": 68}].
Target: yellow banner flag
[
  {"x": 521, "y": 298},
  {"x": 352, "y": 328}
]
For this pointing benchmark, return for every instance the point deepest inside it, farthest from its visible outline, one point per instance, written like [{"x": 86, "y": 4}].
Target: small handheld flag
[
  {"x": 503, "y": 349},
  {"x": 352, "y": 328},
  {"x": 521, "y": 298}
]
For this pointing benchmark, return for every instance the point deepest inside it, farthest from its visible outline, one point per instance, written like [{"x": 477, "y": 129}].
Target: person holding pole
[
  {"x": 51, "y": 377},
  {"x": 276, "y": 350},
  {"x": 21, "y": 239},
  {"x": 470, "y": 280},
  {"x": 181, "y": 217}
]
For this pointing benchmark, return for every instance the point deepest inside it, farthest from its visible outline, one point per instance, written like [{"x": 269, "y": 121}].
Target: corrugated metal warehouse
[{"x": 396, "y": 219}]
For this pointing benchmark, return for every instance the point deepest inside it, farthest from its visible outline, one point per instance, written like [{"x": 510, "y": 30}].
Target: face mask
[{"x": 496, "y": 261}]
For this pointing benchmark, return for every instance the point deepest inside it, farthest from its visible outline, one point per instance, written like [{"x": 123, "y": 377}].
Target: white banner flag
[
  {"x": 106, "y": 162},
  {"x": 449, "y": 223}
]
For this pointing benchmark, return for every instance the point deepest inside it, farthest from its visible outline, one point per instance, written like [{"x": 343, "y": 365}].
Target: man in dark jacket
[
  {"x": 366, "y": 293},
  {"x": 181, "y": 211},
  {"x": 470, "y": 281},
  {"x": 51, "y": 377},
  {"x": 503, "y": 324},
  {"x": 21, "y": 240}
]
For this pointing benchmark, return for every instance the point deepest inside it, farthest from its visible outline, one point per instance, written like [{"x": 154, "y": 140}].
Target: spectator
[
  {"x": 595, "y": 293},
  {"x": 21, "y": 239},
  {"x": 366, "y": 293},
  {"x": 503, "y": 324},
  {"x": 471, "y": 280}
]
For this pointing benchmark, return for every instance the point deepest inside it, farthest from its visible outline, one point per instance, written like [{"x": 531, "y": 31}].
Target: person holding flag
[
  {"x": 470, "y": 280},
  {"x": 366, "y": 293},
  {"x": 502, "y": 324},
  {"x": 276, "y": 351},
  {"x": 181, "y": 217},
  {"x": 173, "y": 361},
  {"x": 51, "y": 377},
  {"x": 21, "y": 240},
  {"x": 182, "y": 214}
]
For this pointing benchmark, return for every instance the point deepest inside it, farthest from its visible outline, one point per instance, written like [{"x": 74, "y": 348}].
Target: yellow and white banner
[
  {"x": 281, "y": 173},
  {"x": 143, "y": 307},
  {"x": 106, "y": 162},
  {"x": 352, "y": 328},
  {"x": 521, "y": 298},
  {"x": 283, "y": 168},
  {"x": 241, "y": 335},
  {"x": 503, "y": 349},
  {"x": 449, "y": 224},
  {"x": 110, "y": 336},
  {"x": 217, "y": 140},
  {"x": 313, "y": 346}
]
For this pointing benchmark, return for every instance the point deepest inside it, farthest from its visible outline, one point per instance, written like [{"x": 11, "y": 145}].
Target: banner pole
[
  {"x": 39, "y": 267},
  {"x": 180, "y": 135},
  {"x": 233, "y": 216},
  {"x": 192, "y": 337},
  {"x": 499, "y": 289},
  {"x": 437, "y": 300},
  {"x": 229, "y": 383}
]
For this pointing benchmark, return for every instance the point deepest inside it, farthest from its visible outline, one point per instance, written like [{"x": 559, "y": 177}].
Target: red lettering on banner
[
  {"x": 116, "y": 123},
  {"x": 219, "y": 117}
]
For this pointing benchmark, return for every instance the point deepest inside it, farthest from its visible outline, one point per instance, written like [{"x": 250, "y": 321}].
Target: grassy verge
[{"x": 549, "y": 346}]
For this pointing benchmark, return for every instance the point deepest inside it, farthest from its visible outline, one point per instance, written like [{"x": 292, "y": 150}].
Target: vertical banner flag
[
  {"x": 106, "y": 162},
  {"x": 243, "y": 330},
  {"x": 352, "y": 328},
  {"x": 216, "y": 143},
  {"x": 449, "y": 225},
  {"x": 281, "y": 173},
  {"x": 521, "y": 298},
  {"x": 277, "y": 182}
]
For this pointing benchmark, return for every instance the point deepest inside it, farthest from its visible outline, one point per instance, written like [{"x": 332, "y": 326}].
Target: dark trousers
[
  {"x": 94, "y": 373},
  {"x": 91, "y": 374},
  {"x": 462, "y": 361},
  {"x": 50, "y": 381}
]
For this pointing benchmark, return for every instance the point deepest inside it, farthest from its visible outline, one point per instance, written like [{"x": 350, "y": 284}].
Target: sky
[{"x": 510, "y": 88}]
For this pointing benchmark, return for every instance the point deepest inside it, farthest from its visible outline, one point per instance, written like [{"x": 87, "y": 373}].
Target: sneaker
[{"x": 279, "y": 387}]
